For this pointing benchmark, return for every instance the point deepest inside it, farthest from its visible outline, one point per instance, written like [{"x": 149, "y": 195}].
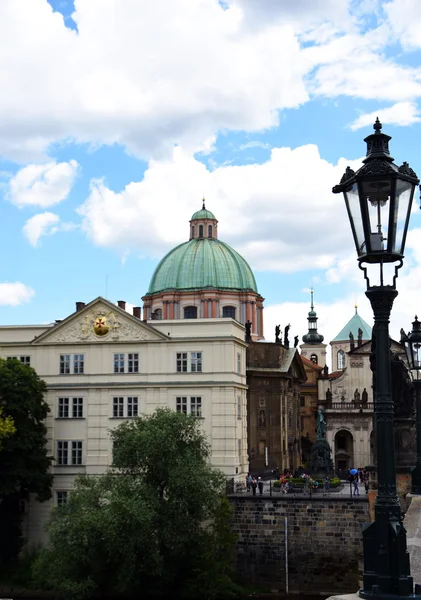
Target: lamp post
[
  {"x": 378, "y": 199},
  {"x": 412, "y": 343}
]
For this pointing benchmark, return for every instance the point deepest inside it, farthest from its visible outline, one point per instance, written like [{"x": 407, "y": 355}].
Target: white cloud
[
  {"x": 149, "y": 75},
  {"x": 281, "y": 215},
  {"x": 44, "y": 224},
  {"x": 42, "y": 185},
  {"x": 402, "y": 113},
  {"x": 13, "y": 294},
  {"x": 404, "y": 18},
  {"x": 255, "y": 144}
]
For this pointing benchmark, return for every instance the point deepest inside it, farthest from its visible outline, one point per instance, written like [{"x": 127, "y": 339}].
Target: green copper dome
[
  {"x": 203, "y": 213},
  {"x": 202, "y": 263}
]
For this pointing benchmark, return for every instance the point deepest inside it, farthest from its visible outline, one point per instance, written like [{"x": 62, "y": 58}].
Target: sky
[{"x": 118, "y": 116}]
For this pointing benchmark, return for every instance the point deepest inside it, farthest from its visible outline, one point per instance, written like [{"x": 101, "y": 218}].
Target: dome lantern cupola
[
  {"x": 312, "y": 337},
  {"x": 203, "y": 224}
]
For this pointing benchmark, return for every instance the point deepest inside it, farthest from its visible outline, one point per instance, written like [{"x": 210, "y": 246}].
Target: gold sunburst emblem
[{"x": 101, "y": 325}]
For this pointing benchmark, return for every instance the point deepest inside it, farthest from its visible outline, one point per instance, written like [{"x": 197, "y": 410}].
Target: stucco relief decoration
[
  {"x": 100, "y": 324},
  {"x": 357, "y": 363}
]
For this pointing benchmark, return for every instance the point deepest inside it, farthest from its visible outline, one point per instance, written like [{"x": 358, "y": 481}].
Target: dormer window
[
  {"x": 210, "y": 231},
  {"x": 200, "y": 231}
]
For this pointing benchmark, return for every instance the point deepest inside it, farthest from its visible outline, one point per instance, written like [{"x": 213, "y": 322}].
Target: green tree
[
  {"x": 7, "y": 427},
  {"x": 24, "y": 461},
  {"x": 157, "y": 524}
]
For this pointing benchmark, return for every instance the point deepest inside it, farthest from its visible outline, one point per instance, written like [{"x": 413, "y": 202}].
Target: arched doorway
[{"x": 344, "y": 452}]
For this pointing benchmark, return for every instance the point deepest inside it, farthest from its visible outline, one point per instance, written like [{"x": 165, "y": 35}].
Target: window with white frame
[
  {"x": 189, "y": 405},
  {"x": 239, "y": 407},
  {"x": 126, "y": 363},
  {"x": 69, "y": 452},
  {"x": 72, "y": 364},
  {"x": 341, "y": 359},
  {"x": 61, "y": 497},
  {"x": 26, "y": 360},
  {"x": 125, "y": 406},
  {"x": 69, "y": 408},
  {"x": 239, "y": 362},
  {"x": 189, "y": 362}
]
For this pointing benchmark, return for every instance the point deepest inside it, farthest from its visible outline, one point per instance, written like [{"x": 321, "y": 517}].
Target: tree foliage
[
  {"x": 24, "y": 461},
  {"x": 7, "y": 427},
  {"x": 156, "y": 524}
]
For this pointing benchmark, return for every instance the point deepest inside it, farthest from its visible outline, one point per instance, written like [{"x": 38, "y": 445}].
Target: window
[
  {"x": 196, "y": 406},
  {"x": 64, "y": 364},
  {"x": 228, "y": 312},
  {"x": 132, "y": 406},
  {"x": 200, "y": 231},
  {"x": 133, "y": 363},
  {"x": 125, "y": 407},
  {"x": 210, "y": 231},
  {"x": 118, "y": 407},
  {"x": 64, "y": 408},
  {"x": 313, "y": 358},
  {"x": 240, "y": 449},
  {"x": 26, "y": 360},
  {"x": 118, "y": 363},
  {"x": 61, "y": 498},
  {"x": 78, "y": 363},
  {"x": 181, "y": 362},
  {"x": 69, "y": 453},
  {"x": 196, "y": 362},
  {"x": 239, "y": 408},
  {"x": 77, "y": 408},
  {"x": 74, "y": 364},
  {"x": 192, "y": 405},
  {"x": 341, "y": 442},
  {"x": 302, "y": 401},
  {"x": 181, "y": 404},
  {"x": 189, "y": 362},
  {"x": 192, "y": 231},
  {"x": 239, "y": 362},
  {"x": 190, "y": 312},
  {"x": 157, "y": 314},
  {"x": 341, "y": 359}
]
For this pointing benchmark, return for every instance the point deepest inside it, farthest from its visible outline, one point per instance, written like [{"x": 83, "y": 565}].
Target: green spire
[{"x": 312, "y": 337}]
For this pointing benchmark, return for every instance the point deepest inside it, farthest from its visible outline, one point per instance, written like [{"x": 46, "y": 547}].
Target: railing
[{"x": 349, "y": 406}]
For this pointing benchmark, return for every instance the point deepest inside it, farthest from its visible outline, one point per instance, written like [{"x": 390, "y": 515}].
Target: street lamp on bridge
[
  {"x": 412, "y": 343},
  {"x": 378, "y": 199}
]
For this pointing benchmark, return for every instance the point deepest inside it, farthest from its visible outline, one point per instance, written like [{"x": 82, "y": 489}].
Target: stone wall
[{"x": 323, "y": 542}]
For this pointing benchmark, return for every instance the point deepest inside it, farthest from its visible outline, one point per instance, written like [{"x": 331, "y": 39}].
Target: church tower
[{"x": 313, "y": 348}]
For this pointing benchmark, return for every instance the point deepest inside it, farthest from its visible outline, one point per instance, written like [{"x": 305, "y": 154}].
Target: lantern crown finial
[
  {"x": 416, "y": 325},
  {"x": 377, "y": 126}
]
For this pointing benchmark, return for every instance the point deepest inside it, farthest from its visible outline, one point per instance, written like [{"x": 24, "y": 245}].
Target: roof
[
  {"x": 203, "y": 213},
  {"x": 310, "y": 363},
  {"x": 202, "y": 263},
  {"x": 353, "y": 326}
]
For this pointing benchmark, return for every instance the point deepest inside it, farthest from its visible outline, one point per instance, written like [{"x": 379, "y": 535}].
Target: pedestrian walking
[
  {"x": 326, "y": 484},
  {"x": 254, "y": 485},
  {"x": 260, "y": 485},
  {"x": 249, "y": 479},
  {"x": 356, "y": 489},
  {"x": 366, "y": 484},
  {"x": 283, "y": 484}
]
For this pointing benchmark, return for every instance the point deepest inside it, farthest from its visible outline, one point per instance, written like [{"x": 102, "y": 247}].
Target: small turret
[{"x": 312, "y": 337}]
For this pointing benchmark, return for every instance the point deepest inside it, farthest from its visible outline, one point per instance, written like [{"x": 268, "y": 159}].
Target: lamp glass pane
[
  {"x": 377, "y": 198},
  {"x": 352, "y": 200},
  {"x": 404, "y": 193}
]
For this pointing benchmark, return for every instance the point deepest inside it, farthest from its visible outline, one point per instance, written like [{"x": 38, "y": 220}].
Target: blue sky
[{"x": 119, "y": 117}]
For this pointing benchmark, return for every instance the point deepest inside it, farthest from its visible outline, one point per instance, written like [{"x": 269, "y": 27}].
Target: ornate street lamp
[
  {"x": 378, "y": 199},
  {"x": 412, "y": 343}
]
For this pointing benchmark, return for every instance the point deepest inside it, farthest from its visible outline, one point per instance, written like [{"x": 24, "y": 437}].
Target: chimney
[
  {"x": 136, "y": 312},
  {"x": 121, "y": 304},
  {"x": 79, "y": 306}
]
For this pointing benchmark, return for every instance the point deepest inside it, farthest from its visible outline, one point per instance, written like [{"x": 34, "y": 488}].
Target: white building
[{"x": 103, "y": 365}]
